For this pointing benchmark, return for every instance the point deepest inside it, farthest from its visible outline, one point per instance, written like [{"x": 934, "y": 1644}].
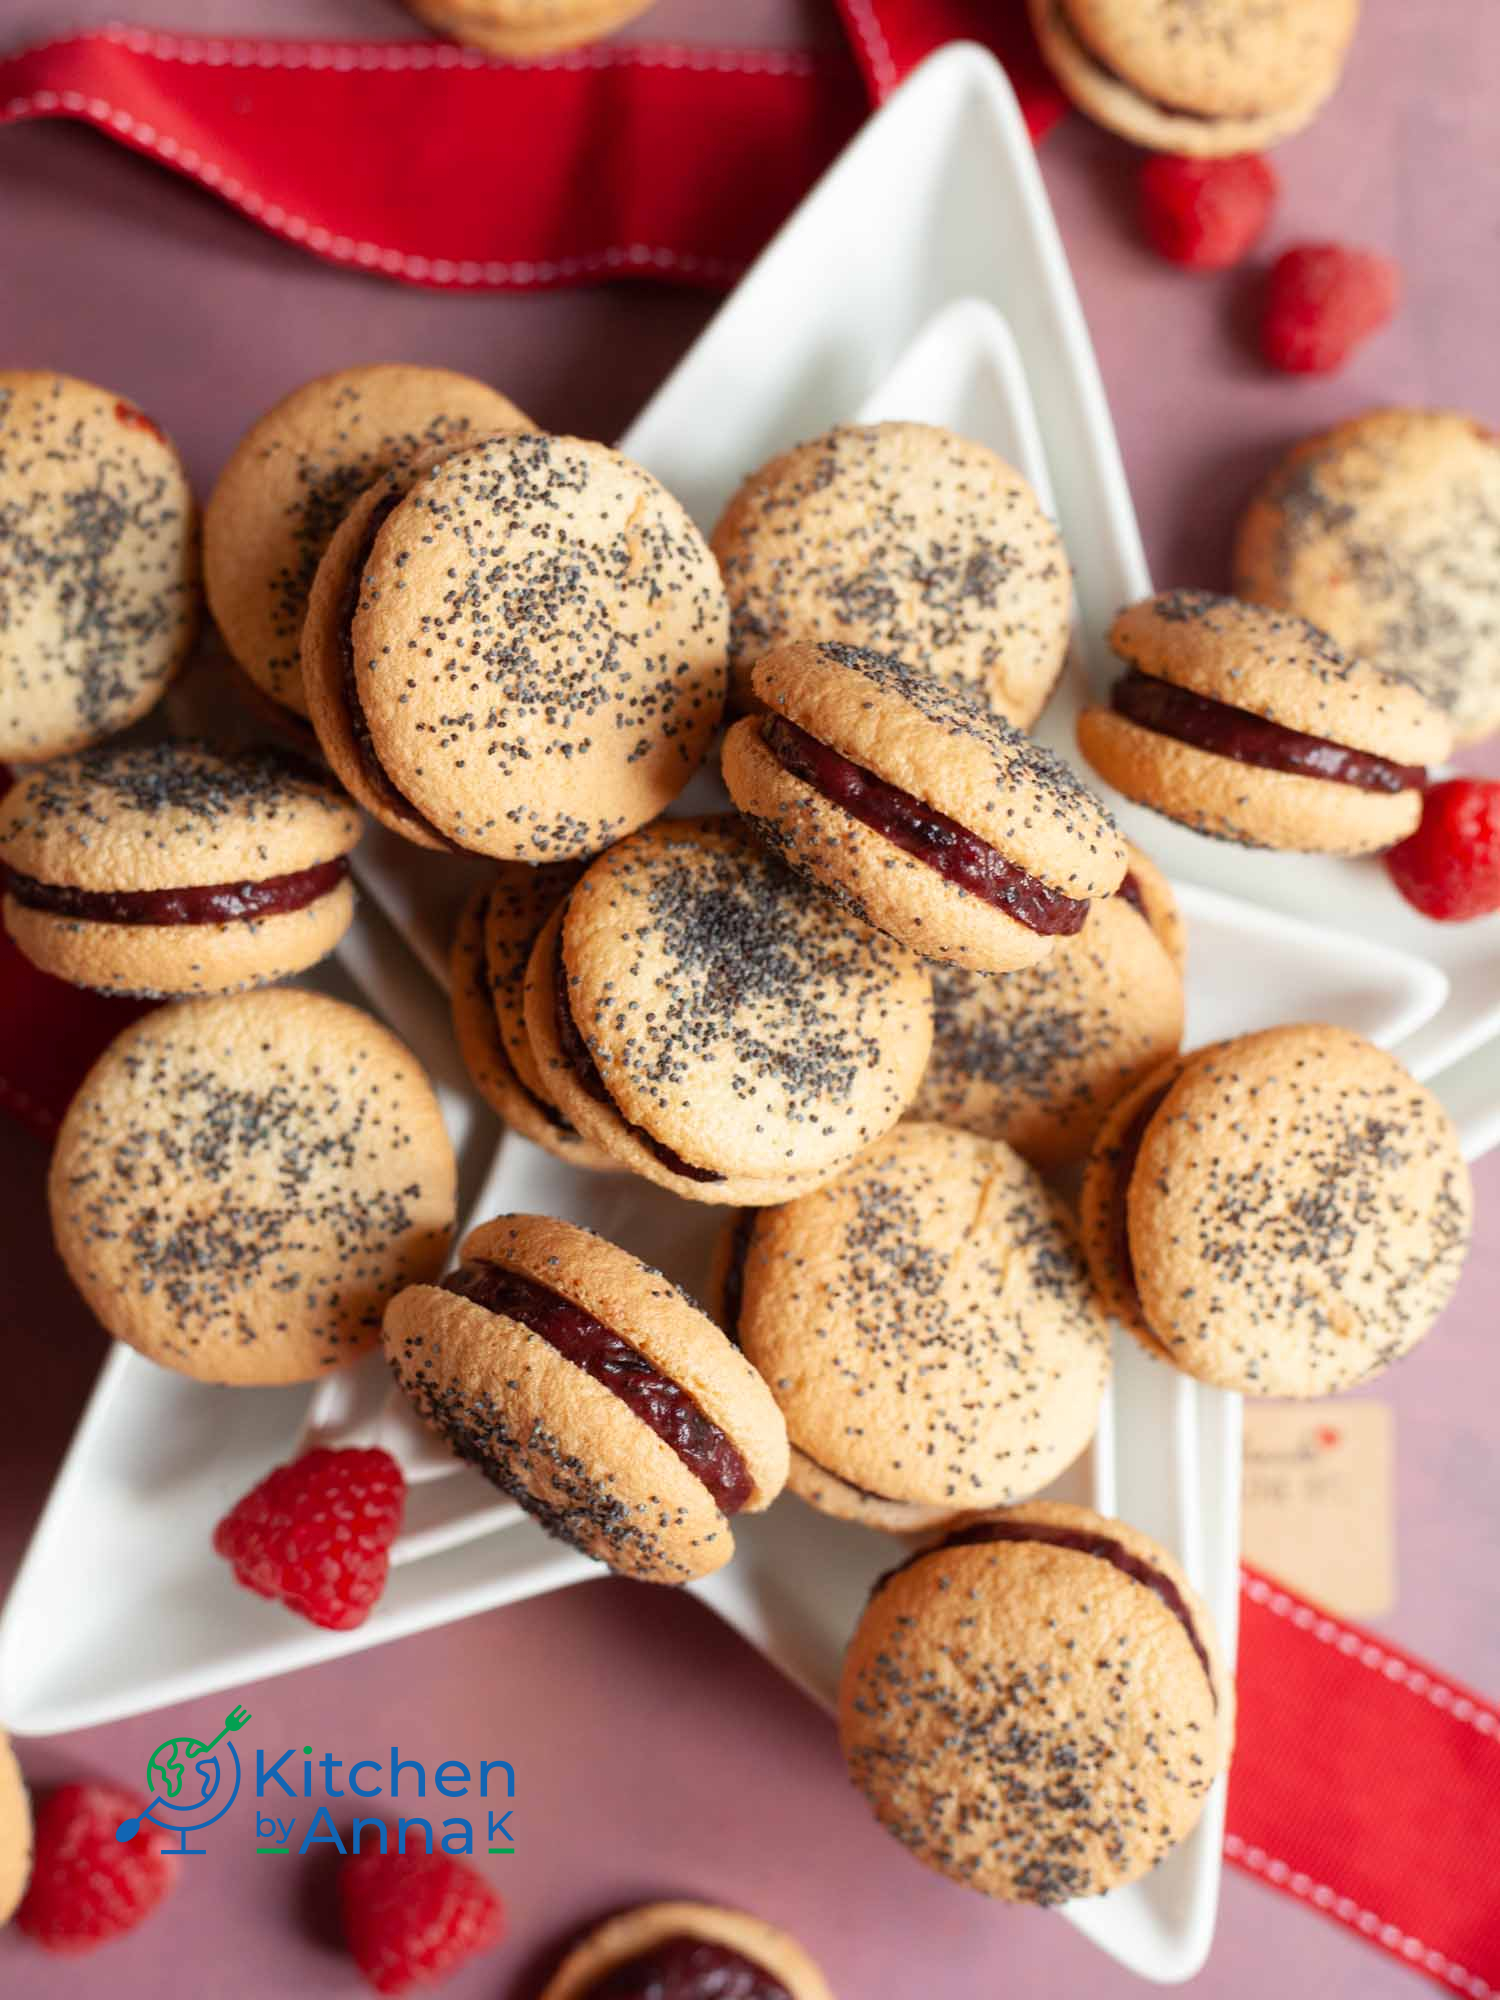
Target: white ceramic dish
[{"x": 879, "y": 298}]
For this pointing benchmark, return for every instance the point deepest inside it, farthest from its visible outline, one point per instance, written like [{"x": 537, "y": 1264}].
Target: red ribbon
[
  {"x": 473, "y": 174},
  {"x": 1367, "y": 1785},
  {"x": 1365, "y": 1781}
]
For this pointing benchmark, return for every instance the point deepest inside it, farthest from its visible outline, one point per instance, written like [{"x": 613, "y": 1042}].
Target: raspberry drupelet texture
[{"x": 316, "y": 1535}]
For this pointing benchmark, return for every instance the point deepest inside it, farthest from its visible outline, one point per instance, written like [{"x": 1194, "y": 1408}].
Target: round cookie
[
  {"x": 15, "y": 1832},
  {"x": 1385, "y": 531},
  {"x": 1213, "y": 78},
  {"x": 522, "y": 654},
  {"x": 686, "y": 1949},
  {"x": 909, "y": 540},
  {"x": 927, "y": 1327},
  {"x": 716, "y": 1026},
  {"x": 1287, "y": 1217},
  {"x": 1037, "y": 1057},
  {"x": 173, "y": 869},
  {"x": 292, "y": 478},
  {"x": 1251, "y": 725},
  {"x": 241, "y": 1184},
  {"x": 98, "y": 564},
  {"x": 1037, "y": 1707},
  {"x": 593, "y": 1391},
  {"x": 521, "y": 28},
  {"x": 920, "y": 809},
  {"x": 491, "y": 946}
]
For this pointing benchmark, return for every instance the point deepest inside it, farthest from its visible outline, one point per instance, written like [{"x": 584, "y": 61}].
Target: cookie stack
[{"x": 915, "y": 971}]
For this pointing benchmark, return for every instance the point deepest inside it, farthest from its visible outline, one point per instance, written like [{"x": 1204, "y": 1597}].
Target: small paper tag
[{"x": 1319, "y": 1501}]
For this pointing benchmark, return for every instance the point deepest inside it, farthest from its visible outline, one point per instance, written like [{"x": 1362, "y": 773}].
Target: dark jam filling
[
  {"x": 580, "y": 1060},
  {"x": 1106, "y": 1549},
  {"x": 1229, "y": 732},
  {"x": 224, "y": 903},
  {"x": 688, "y": 1968},
  {"x": 590, "y": 1345},
  {"x": 379, "y": 779},
  {"x": 1127, "y": 1151},
  {"x": 949, "y": 849},
  {"x": 1130, "y": 889}
]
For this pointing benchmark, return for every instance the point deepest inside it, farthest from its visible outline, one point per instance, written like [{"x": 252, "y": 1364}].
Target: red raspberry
[
  {"x": 317, "y": 1534},
  {"x": 1321, "y": 302},
  {"x": 410, "y": 1919},
  {"x": 1450, "y": 867},
  {"x": 1206, "y": 213},
  {"x": 87, "y": 1887}
]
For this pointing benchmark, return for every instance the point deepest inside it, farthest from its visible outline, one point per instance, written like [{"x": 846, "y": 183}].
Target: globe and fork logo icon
[{"x": 194, "y": 1784}]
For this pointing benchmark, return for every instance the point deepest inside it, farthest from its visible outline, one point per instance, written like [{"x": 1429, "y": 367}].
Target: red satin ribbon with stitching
[
  {"x": 663, "y": 161},
  {"x": 1367, "y": 1784}
]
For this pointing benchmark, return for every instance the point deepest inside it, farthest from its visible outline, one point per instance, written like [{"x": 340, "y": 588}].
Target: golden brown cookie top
[
  {"x": 733, "y": 1012},
  {"x": 926, "y": 1323},
  {"x": 658, "y": 1319},
  {"x": 1036, "y": 1057},
  {"x": 292, "y": 478},
  {"x": 948, "y": 750},
  {"x": 1275, "y": 664},
  {"x": 592, "y": 1390},
  {"x": 538, "y": 647},
  {"x": 98, "y": 564},
  {"x": 172, "y": 815},
  {"x": 240, "y": 1184},
  {"x": 1299, "y": 1212},
  {"x": 909, "y": 540},
  {"x": 1385, "y": 531},
  {"x": 982, "y": 1670},
  {"x": 1217, "y": 58}
]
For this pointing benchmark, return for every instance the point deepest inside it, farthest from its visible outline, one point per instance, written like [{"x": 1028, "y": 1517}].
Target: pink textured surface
[{"x": 656, "y": 1754}]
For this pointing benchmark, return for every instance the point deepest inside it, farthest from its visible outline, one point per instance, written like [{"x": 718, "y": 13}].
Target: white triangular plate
[{"x": 878, "y": 299}]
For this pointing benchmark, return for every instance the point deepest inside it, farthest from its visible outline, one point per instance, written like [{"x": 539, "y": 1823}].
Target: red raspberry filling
[
  {"x": 662, "y": 1404},
  {"x": 224, "y": 903},
  {"x": 688, "y": 1968},
  {"x": 1206, "y": 724},
  {"x": 949, "y": 849}
]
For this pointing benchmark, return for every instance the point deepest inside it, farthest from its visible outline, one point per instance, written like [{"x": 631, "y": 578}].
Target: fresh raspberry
[
  {"x": 1206, "y": 213},
  {"x": 317, "y": 1534},
  {"x": 411, "y": 1919},
  {"x": 1450, "y": 867},
  {"x": 1321, "y": 302},
  {"x": 87, "y": 1887}
]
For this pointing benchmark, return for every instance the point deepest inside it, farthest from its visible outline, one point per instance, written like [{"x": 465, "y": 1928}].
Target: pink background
[{"x": 657, "y": 1755}]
